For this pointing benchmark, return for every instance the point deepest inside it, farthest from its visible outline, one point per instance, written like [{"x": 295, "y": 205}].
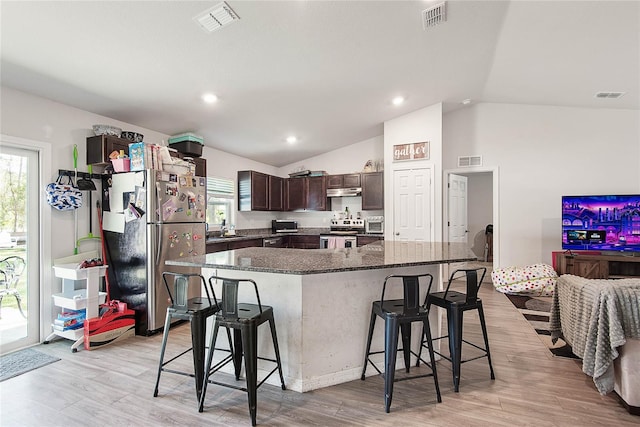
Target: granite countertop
[{"x": 381, "y": 254}]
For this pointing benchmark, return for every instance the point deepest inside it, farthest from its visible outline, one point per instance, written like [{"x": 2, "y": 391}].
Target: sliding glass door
[{"x": 19, "y": 247}]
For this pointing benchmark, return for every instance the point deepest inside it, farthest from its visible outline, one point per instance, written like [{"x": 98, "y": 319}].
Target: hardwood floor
[{"x": 114, "y": 386}]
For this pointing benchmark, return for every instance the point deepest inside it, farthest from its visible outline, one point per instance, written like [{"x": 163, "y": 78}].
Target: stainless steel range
[{"x": 342, "y": 234}]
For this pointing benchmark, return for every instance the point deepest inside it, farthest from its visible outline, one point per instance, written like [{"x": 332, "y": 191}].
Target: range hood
[{"x": 344, "y": 192}]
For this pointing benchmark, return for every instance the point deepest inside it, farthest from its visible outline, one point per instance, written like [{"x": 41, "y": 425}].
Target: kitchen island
[{"x": 322, "y": 300}]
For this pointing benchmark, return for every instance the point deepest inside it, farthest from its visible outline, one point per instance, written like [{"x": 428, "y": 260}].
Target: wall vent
[
  {"x": 609, "y": 95},
  {"x": 468, "y": 161},
  {"x": 217, "y": 17},
  {"x": 434, "y": 15}
]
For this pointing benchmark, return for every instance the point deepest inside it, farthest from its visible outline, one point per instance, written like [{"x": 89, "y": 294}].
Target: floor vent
[
  {"x": 609, "y": 95},
  {"x": 468, "y": 161},
  {"x": 434, "y": 15},
  {"x": 217, "y": 17}
]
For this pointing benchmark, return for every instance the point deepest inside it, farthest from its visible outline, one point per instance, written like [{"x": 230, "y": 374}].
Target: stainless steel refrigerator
[{"x": 150, "y": 216}]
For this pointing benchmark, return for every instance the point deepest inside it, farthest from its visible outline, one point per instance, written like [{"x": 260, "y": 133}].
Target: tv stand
[{"x": 597, "y": 266}]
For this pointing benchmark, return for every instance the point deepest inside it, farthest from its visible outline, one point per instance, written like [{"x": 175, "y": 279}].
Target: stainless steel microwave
[
  {"x": 374, "y": 224},
  {"x": 284, "y": 226}
]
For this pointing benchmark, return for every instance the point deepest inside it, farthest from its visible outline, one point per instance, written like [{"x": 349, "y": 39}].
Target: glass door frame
[{"x": 38, "y": 243}]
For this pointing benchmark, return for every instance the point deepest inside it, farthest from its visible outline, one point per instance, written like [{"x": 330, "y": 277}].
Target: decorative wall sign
[{"x": 413, "y": 151}]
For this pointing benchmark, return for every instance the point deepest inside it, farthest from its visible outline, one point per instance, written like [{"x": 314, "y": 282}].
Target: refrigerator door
[
  {"x": 170, "y": 241},
  {"x": 176, "y": 198}
]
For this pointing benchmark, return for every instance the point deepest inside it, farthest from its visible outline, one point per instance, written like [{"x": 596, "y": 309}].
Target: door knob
[{"x": 397, "y": 233}]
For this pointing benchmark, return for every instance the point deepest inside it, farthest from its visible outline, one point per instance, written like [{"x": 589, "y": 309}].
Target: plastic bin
[{"x": 191, "y": 148}]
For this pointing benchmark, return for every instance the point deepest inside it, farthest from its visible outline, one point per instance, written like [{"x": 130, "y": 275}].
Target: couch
[{"x": 600, "y": 319}]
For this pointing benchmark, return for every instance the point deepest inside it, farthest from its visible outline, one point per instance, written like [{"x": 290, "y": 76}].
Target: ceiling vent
[
  {"x": 218, "y": 16},
  {"x": 609, "y": 95},
  {"x": 434, "y": 15},
  {"x": 468, "y": 161}
]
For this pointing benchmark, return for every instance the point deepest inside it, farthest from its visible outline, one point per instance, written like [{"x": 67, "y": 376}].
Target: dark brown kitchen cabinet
[
  {"x": 99, "y": 148},
  {"x": 276, "y": 193},
  {"x": 258, "y": 191},
  {"x": 316, "y": 188},
  {"x": 217, "y": 247},
  {"x": 201, "y": 166},
  {"x": 365, "y": 240},
  {"x": 350, "y": 180},
  {"x": 306, "y": 193},
  {"x": 372, "y": 191},
  {"x": 253, "y": 191},
  {"x": 304, "y": 242},
  {"x": 295, "y": 194},
  {"x": 250, "y": 243}
]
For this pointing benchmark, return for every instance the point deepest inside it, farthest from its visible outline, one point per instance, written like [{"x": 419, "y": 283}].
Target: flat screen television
[{"x": 601, "y": 223}]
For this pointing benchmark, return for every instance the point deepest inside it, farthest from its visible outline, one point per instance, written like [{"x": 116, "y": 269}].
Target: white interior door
[
  {"x": 412, "y": 204},
  {"x": 457, "y": 208}
]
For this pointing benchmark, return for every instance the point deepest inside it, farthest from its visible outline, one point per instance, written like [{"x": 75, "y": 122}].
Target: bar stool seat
[
  {"x": 456, "y": 303},
  {"x": 398, "y": 316},
  {"x": 243, "y": 319},
  {"x": 196, "y": 310}
]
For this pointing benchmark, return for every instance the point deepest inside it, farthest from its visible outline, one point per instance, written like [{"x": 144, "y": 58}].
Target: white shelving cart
[{"x": 88, "y": 298}]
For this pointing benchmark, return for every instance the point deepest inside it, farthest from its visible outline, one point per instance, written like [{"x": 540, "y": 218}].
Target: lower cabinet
[
  {"x": 304, "y": 242},
  {"x": 220, "y": 246},
  {"x": 365, "y": 240}
]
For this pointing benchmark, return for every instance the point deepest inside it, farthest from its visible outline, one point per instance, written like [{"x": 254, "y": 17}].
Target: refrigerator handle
[{"x": 159, "y": 240}]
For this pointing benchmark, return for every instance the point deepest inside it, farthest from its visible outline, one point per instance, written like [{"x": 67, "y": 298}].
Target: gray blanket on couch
[{"x": 595, "y": 317}]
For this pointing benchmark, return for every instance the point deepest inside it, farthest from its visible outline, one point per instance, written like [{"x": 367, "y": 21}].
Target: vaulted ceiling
[{"x": 325, "y": 71}]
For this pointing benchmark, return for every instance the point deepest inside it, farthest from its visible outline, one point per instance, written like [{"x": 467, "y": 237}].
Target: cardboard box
[{"x": 115, "y": 324}]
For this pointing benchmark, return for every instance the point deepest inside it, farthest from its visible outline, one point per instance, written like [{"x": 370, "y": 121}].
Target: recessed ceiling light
[
  {"x": 398, "y": 100},
  {"x": 292, "y": 139},
  {"x": 466, "y": 101},
  {"x": 209, "y": 98}
]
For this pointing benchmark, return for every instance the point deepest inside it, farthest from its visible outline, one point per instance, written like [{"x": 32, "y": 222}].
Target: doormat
[
  {"x": 19, "y": 362},
  {"x": 537, "y": 310}
]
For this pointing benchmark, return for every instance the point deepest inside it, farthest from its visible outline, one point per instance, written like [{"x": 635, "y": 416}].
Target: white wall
[
  {"x": 421, "y": 125},
  {"x": 543, "y": 152}
]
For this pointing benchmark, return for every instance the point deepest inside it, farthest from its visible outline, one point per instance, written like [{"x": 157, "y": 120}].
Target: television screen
[{"x": 602, "y": 223}]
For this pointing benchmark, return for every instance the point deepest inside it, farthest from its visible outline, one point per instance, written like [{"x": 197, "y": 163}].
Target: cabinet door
[
  {"x": 295, "y": 193},
  {"x": 335, "y": 181},
  {"x": 245, "y": 244},
  {"x": 351, "y": 180},
  {"x": 316, "y": 193},
  {"x": 276, "y": 193},
  {"x": 259, "y": 191},
  {"x": 365, "y": 240},
  {"x": 99, "y": 148},
  {"x": 201, "y": 166},
  {"x": 217, "y": 247},
  {"x": 372, "y": 191}
]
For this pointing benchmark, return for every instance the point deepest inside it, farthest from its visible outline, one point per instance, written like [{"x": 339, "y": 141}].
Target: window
[{"x": 220, "y": 202}]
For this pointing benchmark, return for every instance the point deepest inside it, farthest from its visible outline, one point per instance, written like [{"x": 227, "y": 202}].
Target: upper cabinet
[
  {"x": 253, "y": 191},
  {"x": 372, "y": 191},
  {"x": 308, "y": 193},
  {"x": 351, "y": 180},
  {"x": 258, "y": 191},
  {"x": 276, "y": 193},
  {"x": 99, "y": 148}
]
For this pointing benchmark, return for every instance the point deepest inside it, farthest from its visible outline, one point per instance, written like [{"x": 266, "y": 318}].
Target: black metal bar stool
[
  {"x": 398, "y": 315},
  {"x": 196, "y": 310},
  {"x": 456, "y": 303},
  {"x": 244, "y": 319}
]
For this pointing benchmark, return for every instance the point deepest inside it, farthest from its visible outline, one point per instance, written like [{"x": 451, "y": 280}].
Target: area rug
[
  {"x": 19, "y": 362},
  {"x": 536, "y": 310}
]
